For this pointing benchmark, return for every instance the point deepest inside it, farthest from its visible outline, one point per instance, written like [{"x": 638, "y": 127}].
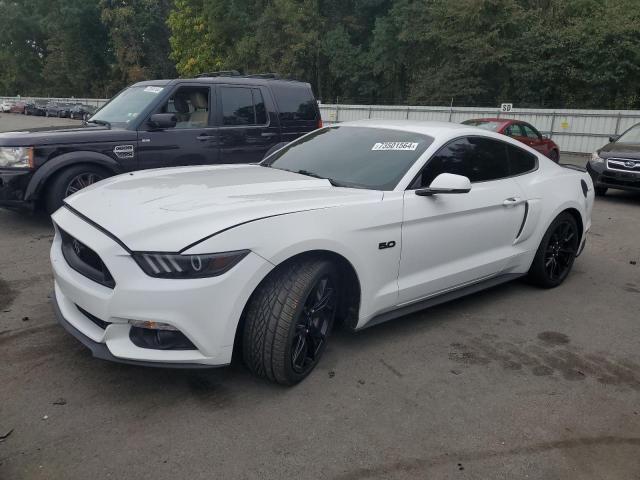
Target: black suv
[
  {"x": 617, "y": 164},
  {"x": 221, "y": 117}
]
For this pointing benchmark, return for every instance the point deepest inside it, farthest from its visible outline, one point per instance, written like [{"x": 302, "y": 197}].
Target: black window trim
[
  {"x": 537, "y": 162},
  {"x": 247, "y": 87}
]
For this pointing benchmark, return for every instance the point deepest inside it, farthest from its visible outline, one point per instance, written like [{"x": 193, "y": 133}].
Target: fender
[{"x": 43, "y": 173}]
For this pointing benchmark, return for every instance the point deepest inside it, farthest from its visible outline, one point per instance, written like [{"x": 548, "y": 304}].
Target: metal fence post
[
  {"x": 370, "y": 108},
  {"x": 618, "y": 123},
  {"x": 553, "y": 122},
  {"x": 407, "y": 117},
  {"x": 337, "y": 112}
]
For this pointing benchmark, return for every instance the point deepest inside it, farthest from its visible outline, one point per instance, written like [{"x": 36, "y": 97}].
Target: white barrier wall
[{"x": 579, "y": 131}]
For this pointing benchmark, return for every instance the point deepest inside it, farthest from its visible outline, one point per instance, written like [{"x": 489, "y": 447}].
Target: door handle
[
  {"x": 268, "y": 134},
  {"x": 512, "y": 202},
  {"x": 204, "y": 137}
]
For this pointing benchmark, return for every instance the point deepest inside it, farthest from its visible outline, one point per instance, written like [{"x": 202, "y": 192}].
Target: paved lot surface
[{"x": 510, "y": 383}]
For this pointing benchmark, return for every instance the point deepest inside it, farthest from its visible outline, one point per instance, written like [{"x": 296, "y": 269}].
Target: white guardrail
[{"x": 576, "y": 131}]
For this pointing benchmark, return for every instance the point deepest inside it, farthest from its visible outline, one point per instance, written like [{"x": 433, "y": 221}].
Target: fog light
[{"x": 151, "y": 325}]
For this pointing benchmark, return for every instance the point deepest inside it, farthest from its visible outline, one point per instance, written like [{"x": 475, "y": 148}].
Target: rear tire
[
  {"x": 556, "y": 253},
  {"x": 554, "y": 155},
  {"x": 70, "y": 180},
  {"x": 601, "y": 191},
  {"x": 289, "y": 319}
]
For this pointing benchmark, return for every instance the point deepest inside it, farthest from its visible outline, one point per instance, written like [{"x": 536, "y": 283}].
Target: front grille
[
  {"x": 101, "y": 323},
  {"x": 85, "y": 261},
  {"x": 624, "y": 165}
]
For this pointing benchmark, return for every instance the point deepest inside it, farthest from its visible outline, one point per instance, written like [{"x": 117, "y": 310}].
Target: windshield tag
[
  {"x": 395, "y": 146},
  {"x": 153, "y": 89}
]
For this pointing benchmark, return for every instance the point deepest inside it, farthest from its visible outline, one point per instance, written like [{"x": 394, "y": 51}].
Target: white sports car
[{"x": 362, "y": 222}]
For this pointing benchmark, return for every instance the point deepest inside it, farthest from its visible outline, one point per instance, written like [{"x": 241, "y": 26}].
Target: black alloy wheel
[
  {"x": 313, "y": 325},
  {"x": 556, "y": 253}
]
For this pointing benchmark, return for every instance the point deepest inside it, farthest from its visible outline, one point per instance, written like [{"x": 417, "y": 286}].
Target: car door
[
  {"x": 194, "y": 139},
  {"x": 534, "y": 138},
  {"x": 246, "y": 130},
  {"x": 450, "y": 240}
]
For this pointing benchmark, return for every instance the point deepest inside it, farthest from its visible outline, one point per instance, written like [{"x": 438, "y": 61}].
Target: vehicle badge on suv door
[{"x": 123, "y": 151}]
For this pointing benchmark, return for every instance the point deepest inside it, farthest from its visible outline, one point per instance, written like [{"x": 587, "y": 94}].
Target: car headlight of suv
[
  {"x": 16, "y": 157},
  {"x": 595, "y": 158},
  {"x": 174, "y": 265}
]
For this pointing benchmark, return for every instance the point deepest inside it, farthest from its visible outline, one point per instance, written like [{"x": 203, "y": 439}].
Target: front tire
[
  {"x": 556, "y": 253},
  {"x": 69, "y": 181},
  {"x": 289, "y": 319}
]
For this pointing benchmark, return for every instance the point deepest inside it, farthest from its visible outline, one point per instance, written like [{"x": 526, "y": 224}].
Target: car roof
[
  {"x": 425, "y": 127},
  {"x": 238, "y": 80}
]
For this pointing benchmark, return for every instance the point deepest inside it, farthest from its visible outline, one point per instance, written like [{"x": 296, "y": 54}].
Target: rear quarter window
[
  {"x": 520, "y": 161},
  {"x": 295, "y": 102}
]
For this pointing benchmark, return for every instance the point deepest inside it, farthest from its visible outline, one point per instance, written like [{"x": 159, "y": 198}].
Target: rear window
[
  {"x": 484, "y": 124},
  {"x": 295, "y": 102},
  {"x": 521, "y": 161}
]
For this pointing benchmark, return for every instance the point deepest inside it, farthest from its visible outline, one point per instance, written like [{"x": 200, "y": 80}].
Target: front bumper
[
  {"x": 206, "y": 311},
  {"x": 13, "y": 184},
  {"x": 604, "y": 177}
]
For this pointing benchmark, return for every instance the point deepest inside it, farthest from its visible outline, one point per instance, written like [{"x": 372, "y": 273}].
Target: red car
[
  {"x": 17, "y": 107},
  {"x": 521, "y": 131}
]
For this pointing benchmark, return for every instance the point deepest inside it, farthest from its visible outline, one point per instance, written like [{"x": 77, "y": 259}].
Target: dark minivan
[{"x": 214, "y": 118}]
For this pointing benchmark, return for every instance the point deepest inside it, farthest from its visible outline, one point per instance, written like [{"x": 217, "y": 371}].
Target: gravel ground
[{"x": 513, "y": 382}]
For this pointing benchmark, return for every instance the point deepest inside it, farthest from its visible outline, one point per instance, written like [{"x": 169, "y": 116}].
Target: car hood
[
  {"x": 172, "y": 208},
  {"x": 71, "y": 134},
  {"x": 617, "y": 149}
]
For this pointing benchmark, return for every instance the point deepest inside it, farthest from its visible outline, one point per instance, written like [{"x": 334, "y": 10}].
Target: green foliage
[{"x": 545, "y": 53}]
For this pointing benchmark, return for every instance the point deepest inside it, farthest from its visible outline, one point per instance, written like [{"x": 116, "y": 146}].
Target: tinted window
[
  {"x": 237, "y": 106},
  {"x": 479, "y": 159},
  {"x": 514, "y": 130},
  {"x": 373, "y": 158},
  {"x": 295, "y": 102},
  {"x": 520, "y": 161},
  {"x": 531, "y": 132}
]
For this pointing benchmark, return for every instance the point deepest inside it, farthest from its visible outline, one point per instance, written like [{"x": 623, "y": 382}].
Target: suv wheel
[
  {"x": 69, "y": 181},
  {"x": 289, "y": 319}
]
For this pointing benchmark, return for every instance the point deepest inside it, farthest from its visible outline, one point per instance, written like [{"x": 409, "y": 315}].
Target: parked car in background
[
  {"x": 54, "y": 109},
  {"x": 18, "y": 107},
  {"x": 81, "y": 112},
  {"x": 216, "y": 118},
  {"x": 5, "y": 106},
  {"x": 522, "y": 131},
  {"x": 34, "y": 108},
  {"x": 378, "y": 216},
  {"x": 617, "y": 164}
]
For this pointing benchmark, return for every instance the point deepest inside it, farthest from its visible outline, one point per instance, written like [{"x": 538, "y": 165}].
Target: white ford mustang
[{"x": 361, "y": 222}]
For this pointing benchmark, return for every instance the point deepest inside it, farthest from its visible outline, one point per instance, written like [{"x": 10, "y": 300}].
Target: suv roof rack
[
  {"x": 235, "y": 73},
  {"x": 221, "y": 73}
]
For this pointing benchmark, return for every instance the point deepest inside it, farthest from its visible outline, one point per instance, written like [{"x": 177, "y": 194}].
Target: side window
[
  {"x": 295, "y": 102},
  {"x": 521, "y": 161},
  {"x": 480, "y": 159},
  {"x": 531, "y": 132},
  {"x": 191, "y": 106},
  {"x": 242, "y": 106},
  {"x": 514, "y": 130}
]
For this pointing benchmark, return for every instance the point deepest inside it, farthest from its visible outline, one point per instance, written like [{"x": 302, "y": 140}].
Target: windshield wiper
[
  {"x": 100, "y": 122},
  {"x": 333, "y": 182}
]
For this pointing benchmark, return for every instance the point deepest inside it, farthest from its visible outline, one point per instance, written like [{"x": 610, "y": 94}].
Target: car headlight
[
  {"x": 174, "y": 265},
  {"x": 16, "y": 157},
  {"x": 595, "y": 158}
]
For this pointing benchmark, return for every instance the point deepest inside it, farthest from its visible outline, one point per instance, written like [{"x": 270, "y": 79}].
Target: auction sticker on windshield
[
  {"x": 153, "y": 89},
  {"x": 395, "y": 146}
]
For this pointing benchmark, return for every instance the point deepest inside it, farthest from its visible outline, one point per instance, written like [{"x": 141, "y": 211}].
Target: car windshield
[
  {"x": 484, "y": 124},
  {"x": 127, "y": 105},
  {"x": 360, "y": 157},
  {"x": 631, "y": 136}
]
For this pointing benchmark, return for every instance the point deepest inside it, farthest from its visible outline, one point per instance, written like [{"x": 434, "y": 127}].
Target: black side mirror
[
  {"x": 614, "y": 138},
  {"x": 162, "y": 120}
]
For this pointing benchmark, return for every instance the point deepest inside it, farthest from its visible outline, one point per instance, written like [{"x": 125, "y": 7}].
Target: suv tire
[
  {"x": 70, "y": 179},
  {"x": 289, "y": 319}
]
